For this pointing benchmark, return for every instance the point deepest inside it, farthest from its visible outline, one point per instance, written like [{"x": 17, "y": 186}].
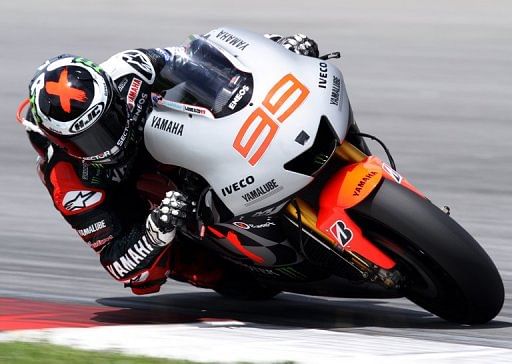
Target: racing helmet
[{"x": 77, "y": 106}]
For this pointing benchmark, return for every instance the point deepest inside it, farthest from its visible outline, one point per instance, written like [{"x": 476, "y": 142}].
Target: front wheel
[{"x": 445, "y": 270}]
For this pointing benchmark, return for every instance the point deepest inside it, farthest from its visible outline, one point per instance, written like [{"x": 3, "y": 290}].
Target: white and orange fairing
[{"x": 290, "y": 94}]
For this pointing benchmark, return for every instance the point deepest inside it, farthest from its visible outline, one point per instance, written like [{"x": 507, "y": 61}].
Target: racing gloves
[
  {"x": 297, "y": 43},
  {"x": 171, "y": 214}
]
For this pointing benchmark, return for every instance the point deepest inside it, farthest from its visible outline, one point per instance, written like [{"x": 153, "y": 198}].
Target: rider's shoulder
[{"x": 131, "y": 61}]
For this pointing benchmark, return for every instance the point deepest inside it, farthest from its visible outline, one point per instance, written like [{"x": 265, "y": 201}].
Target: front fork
[{"x": 347, "y": 188}]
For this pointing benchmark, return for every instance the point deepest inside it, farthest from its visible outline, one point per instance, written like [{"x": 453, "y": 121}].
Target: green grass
[{"x": 27, "y": 353}]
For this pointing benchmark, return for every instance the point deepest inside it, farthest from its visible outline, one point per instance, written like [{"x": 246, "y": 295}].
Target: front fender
[{"x": 346, "y": 189}]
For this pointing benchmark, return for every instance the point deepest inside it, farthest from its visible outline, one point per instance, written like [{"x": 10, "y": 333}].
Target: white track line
[{"x": 235, "y": 341}]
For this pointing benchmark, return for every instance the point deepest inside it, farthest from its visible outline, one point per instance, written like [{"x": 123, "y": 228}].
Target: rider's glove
[
  {"x": 300, "y": 44},
  {"x": 171, "y": 214}
]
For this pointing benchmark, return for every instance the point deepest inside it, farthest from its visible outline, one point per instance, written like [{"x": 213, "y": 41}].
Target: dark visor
[{"x": 103, "y": 139}]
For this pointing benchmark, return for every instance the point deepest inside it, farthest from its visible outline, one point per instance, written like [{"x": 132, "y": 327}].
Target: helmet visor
[{"x": 103, "y": 140}]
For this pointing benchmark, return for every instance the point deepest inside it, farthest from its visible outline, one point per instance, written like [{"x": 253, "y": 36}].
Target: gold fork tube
[
  {"x": 349, "y": 152},
  {"x": 346, "y": 151}
]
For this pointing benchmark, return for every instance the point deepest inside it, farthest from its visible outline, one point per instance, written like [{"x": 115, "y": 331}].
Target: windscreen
[{"x": 203, "y": 76}]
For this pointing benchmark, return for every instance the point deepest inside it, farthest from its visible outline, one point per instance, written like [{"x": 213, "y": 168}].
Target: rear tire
[
  {"x": 446, "y": 271},
  {"x": 241, "y": 285},
  {"x": 257, "y": 293}
]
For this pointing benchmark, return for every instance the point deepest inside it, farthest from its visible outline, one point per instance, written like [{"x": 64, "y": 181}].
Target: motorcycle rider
[{"x": 93, "y": 162}]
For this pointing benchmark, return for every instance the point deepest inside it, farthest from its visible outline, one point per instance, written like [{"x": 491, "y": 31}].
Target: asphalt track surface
[{"x": 433, "y": 79}]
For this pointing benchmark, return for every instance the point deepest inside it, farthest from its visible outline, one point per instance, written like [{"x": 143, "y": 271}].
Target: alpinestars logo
[
  {"x": 140, "y": 63},
  {"x": 341, "y": 232},
  {"x": 77, "y": 200}
]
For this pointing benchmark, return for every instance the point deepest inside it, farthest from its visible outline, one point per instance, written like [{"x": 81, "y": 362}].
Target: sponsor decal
[
  {"x": 133, "y": 91},
  {"x": 335, "y": 92},
  {"x": 123, "y": 137},
  {"x": 87, "y": 118},
  {"x": 99, "y": 243},
  {"x": 77, "y": 200},
  {"x": 394, "y": 174},
  {"x": 140, "y": 104},
  {"x": 302, "y": 138},
  {"x": 194, "y": 110},
  {"x": 166, "y": 125},
  {"x": 239, "y": 96},
  {"x": 342, "y": 234},
  {"x": 131, "y": 259},
  {"x": 92, "y": 228},
  {"x": 237, "y": 186},
  {"x": 122, "y": 84},
  {"x": 322, "y": 75},
  {"x": 362, "y": 182},
  {"x": 261, "y": 192},
  {"x": 232, "y": 40},
  {"x": 243, "y": 225},
  {"x": 140, "y": 62},
  {"x": 98, "y": 157}
]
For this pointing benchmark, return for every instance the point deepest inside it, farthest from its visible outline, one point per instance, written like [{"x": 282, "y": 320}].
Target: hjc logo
[
  {"x": 292, "y": 94},
  {"x": 88, "y": 117}
]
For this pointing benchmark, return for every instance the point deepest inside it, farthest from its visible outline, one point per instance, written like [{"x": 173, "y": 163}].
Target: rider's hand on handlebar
[
  {"x": 300, "y": 44},
  {"x": 172, "y": 212}
]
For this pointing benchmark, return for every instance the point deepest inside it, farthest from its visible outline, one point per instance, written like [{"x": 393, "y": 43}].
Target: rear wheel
[
  {"x": 255, "y": 293},
  {"x": 241, "y": 285},
  {"x": 446, "y": 271}
]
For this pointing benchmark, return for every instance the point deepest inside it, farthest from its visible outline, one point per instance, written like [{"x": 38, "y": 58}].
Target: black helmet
[{"x": 77, "y": 106}]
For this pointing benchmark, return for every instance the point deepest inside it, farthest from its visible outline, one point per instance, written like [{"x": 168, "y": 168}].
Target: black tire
[
  {"x": 255, "y": 293},
  {"x": 241, "y": 285},
  {"x": 446, "y": 271}
]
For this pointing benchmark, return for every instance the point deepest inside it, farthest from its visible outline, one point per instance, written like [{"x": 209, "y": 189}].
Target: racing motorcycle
[{"x": 291, "y": 193}]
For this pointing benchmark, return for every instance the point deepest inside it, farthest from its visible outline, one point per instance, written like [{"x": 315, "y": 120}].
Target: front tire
[{"x": 446, "y": 271}]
